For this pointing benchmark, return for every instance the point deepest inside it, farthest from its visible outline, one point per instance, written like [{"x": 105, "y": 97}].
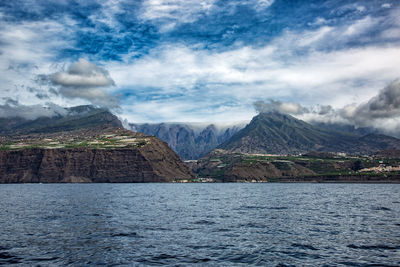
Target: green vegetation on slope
[{"x": 116, "y": 138}]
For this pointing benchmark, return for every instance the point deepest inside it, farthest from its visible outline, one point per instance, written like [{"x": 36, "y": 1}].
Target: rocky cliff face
[{"x": 152, "y": 162}]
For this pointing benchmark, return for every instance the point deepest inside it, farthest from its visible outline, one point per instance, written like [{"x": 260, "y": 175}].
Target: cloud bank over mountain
[
  {"x": 282, "y": 107},
  {"x": 30, "y": 112},
  {"x": 382, "y": 111}
]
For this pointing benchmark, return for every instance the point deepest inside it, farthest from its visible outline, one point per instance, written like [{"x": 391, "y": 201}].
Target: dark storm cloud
[
  {"x": 386, "y": 104},
  {"x": 85, "y": 80},
  {"x": 82, "y": 74},
  {"x": 380, "y": 112}
]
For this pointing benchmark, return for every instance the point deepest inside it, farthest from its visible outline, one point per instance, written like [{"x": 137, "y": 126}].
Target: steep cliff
[{"x": 134, "y": 159}]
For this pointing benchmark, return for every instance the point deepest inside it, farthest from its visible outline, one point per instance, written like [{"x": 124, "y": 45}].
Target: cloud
[
  {"x": 323, "y": 110},
  {"x": 83, "y": 74},
  {"x": 85, "y": 80},
  {"x": 361, "y": 26},
  {"x": 385, "y": 105},
  {"x": 168, "y": 14},
  {"x": 28, "y": 49},
  {"x": 278, "y": 106},
  {"x": 171, "y": 12},
  {"x": 13, "y": 108},
  {"x": 381, "y": 112},
  {"x": 200, "y": 60},
  {"x": 249, "y": 73}
]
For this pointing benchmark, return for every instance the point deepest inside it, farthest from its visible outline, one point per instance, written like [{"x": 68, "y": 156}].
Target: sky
[{"x": 204, "y": 60}]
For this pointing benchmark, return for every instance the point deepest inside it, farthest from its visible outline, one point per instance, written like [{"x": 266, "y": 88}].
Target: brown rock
[{"x": 153, "y": 162}]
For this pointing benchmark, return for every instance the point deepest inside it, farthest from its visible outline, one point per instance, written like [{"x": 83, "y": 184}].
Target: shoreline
[{"x": 232, "y": 182}]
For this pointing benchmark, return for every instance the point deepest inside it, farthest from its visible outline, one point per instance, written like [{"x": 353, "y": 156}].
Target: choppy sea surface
[{"x": 200, "y": 224}]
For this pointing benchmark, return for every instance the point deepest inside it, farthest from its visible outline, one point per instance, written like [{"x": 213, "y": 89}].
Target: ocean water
[{"x": 200, "y": 224}]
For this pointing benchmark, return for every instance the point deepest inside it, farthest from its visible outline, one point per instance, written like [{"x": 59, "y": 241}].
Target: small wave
[
  {"x": 386, "y": 247},
  {"x": 304, "y": 246},
  {"x": 222, "y": 230},
  {"x": 278, "y": 208},
  {"x": 253, "y": 225},
  {"x": 152, "y": 228},
  {"x": 45, "y": 259},
  {"x": 198, "y": 246},
  {"x": 356, "y": 264},
  {"x": 381, "y": 208},
  {"x": 299, "y": 254},
  {"x": 201, "y": 260},
  {"x": 253, "y": 207},
  {"x": 241, "y": 258},
  {"x": 158, "y": 259},
  {"x": 52, "y": 218},
  {"x": 204, "y": 222},
  {"x": 191, "y": 260},
  {"x": 122, "y": 234},
  {"x": 188, "y": 228},
  {"x": 7, "y": 258},
  {"x": 164, "y": 258}
]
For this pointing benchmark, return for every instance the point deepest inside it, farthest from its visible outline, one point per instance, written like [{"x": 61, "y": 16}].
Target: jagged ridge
[{"x": 185, "y": 140}]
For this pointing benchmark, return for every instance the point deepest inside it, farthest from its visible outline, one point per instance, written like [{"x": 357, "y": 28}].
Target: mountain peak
[{"x": 278, "y": 133}]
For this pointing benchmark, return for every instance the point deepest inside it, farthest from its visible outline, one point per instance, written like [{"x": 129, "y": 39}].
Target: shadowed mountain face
[
  {"x": 80, "y": 117},
  {"x": 187, "y": 141},
  {"x": 278, "y": 133}
]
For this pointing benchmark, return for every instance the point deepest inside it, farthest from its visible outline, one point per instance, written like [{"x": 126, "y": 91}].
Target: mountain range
[
  {"x": 267, "y": 133},
  {"x": 277, "y": 133}
]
